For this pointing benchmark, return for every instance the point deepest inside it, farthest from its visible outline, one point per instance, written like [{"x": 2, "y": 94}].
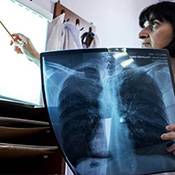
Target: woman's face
[{"x": 156, "y": 34}]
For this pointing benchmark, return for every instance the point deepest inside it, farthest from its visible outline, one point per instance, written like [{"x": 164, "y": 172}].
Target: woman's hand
[
  {"x": 23, "y": 45},
  {"x": 170, "y": 136}
]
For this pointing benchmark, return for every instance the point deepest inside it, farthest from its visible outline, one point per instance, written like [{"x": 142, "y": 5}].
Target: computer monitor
[{"x": 108, "y": 108}]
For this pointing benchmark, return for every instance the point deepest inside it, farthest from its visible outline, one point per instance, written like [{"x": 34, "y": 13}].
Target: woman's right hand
[{"x": 23, "y": 45}]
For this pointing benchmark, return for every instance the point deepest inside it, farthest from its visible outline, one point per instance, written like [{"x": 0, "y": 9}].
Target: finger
[
  {"x": 18, "y": 42},
  {"x": 171, "y": 148},
  {"x": 15, "y": 37},
  {"x": 171, "y": 127},
  {"x": 17, "y": 49},
  {"x": 11, "y": 42},
  {"x": 168, "y": 136},
  {"x": 19, "y": 36}
]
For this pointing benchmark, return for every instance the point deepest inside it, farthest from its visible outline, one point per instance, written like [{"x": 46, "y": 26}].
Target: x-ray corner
[{"x": 108, "y": 108}]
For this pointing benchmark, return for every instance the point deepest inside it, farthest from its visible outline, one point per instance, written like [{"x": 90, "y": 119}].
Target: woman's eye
[{"x": 154, "y": 25}]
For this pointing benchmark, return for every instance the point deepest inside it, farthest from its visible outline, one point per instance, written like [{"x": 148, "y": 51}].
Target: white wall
[{"x": 116, "y": 21}]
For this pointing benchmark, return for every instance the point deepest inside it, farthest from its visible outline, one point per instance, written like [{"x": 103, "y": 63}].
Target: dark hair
[{"x": 163, "y": 11}]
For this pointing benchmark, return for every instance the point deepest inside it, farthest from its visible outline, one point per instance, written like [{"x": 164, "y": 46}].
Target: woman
[{"x": 158, "y": 23}]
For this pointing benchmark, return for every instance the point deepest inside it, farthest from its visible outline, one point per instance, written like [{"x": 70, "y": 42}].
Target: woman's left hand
[{"x": 170, "y": 136}]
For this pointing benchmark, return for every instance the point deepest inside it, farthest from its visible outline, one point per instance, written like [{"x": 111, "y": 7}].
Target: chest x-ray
[{"x": 108, "y": 108}]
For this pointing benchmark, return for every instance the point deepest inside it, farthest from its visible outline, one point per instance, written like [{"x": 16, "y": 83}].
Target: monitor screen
[
  {"x": 20, "y": 78},
  {"x": 109, "y": 107}
]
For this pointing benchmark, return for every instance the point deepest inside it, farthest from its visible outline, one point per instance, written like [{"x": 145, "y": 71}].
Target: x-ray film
[{"x": 109, "y": 107}]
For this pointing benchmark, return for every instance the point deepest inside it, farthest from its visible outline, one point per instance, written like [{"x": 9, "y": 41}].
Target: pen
[{"x": 6, "y": 29}]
